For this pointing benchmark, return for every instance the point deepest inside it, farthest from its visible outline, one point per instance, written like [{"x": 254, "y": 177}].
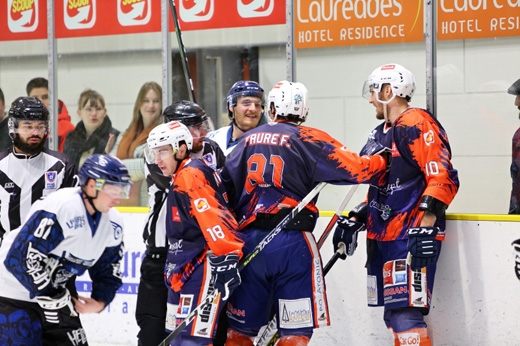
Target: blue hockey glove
[
  {"x": 346, "y": 232},
  {"x": 225, "y": 275},
  {"x": 422, "y": 246},
  {"x": 53, "y": 306},
  {"x": 516, "y": 253},
  {"x": 373, "y": 147}
]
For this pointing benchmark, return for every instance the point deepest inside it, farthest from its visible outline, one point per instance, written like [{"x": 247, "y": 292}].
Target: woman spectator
[
  {"x": 94, "y": 133},
  {"x": 130, "y": 149}
]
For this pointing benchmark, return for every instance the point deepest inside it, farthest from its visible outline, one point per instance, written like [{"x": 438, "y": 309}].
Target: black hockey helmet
[
  {"x": 186, "y": 112},
  {"x": 26, "y": 108},
  {"x": 514, "y": 89},
  {"x": 240, "y": 89}
]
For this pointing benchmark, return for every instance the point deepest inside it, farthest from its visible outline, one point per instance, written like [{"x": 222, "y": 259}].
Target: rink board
[{"x": 475, "y": 299}]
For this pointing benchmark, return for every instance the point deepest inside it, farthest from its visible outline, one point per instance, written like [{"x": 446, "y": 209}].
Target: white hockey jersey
[
  {"x": 58, "y": 240},
  {"x": 223, "y": 138}
]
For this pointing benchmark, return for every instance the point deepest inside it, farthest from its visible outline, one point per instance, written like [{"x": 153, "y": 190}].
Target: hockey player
[
  {"x": 514, "y": 202},
  {"x": 272, "y": 168},
  {"x": 67, "y": 233},
  {"x": 404, "y": 213},
  {"x": 152, "y": 294},
  {"x": 29, "y": 170},
  {"x": 245, "y": 103},
  {"x": 199, "y": 228}
]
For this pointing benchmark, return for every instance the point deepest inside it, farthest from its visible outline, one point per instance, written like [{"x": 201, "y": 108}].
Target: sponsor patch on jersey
[
  {"x": 429, "y": 137},
  {"x": 372, "y": 290},
  {"x": 409, "y": 338},
  {"x": 201, "y": 204},
  {"x": 418, "y": 289},
  {"x": 175, "y": 215},
  {"x": 50, "y": 180},
  {"x": 185, "y": 304},
  {"x": 296, "y": 313}
]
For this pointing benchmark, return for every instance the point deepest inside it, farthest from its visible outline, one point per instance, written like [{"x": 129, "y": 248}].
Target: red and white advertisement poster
[{"x": 27, "y": 19}]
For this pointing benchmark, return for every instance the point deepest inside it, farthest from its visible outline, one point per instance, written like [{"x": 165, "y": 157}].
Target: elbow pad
[
  {"x": 433, "y": 205},
  {"x": 360, "y": 212}
]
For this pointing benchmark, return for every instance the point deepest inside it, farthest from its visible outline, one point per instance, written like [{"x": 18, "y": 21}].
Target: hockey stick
[
  {"x": 273, "y": 323},
  {"x": 336, "y": 215},
  {"x": 182, "y": 52},
  {"x": 263, "y": 243}
]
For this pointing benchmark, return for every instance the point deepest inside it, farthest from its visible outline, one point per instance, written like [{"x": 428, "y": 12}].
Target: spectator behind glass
[
  {"x": 5, "y": 140},
  {"x": 39, "y": 87},
  {"x": 94, "y": 133},
  {"x": 130, "y": 148}
]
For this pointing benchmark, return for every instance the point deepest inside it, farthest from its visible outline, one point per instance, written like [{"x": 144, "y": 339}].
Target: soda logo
[
  {"x": 79, "y": 14},
  {"x": 387, "y": 273},
  {"x": 77, "y": 3},
  {"x": 255, "y": 8},
  {"x": 134, "y": 12},
  {"x": 196, "y": 10},
  {"x": 23, "y": 15},
  {"x": 21, "y": 5}
]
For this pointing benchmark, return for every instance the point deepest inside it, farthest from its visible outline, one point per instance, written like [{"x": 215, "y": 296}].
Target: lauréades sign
[
  {"x": 27, "y": 19},
  {"x": 329, "y": 23}
]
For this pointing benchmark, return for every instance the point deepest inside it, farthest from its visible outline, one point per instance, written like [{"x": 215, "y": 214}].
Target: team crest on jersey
[
  {"x": 118, "y": 230},
  {"x": 429, "y": 137},
  {"x": 50, "y": 180},
  {"x": 201, "y": 204}
]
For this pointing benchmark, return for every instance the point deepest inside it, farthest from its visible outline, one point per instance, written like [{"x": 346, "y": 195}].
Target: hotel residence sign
[{"x": 329, "y": 23}]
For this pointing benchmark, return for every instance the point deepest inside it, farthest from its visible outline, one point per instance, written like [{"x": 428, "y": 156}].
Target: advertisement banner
[
  {"x": 478, "y": 19},
  {"x": 330, "y": 23},
  {"x": 27, "y": 19}
]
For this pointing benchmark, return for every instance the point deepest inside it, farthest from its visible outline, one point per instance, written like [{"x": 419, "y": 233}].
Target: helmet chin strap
[
  {"x": 238, "y": 127},
  {"x": 385, "y": 108},
  {"x": 91, "y": 200}
]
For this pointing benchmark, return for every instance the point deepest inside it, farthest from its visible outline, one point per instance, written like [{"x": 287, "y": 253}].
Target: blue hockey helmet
[
  {"x": 240, "y": 89},
  {"x": 105, "y": 169}
]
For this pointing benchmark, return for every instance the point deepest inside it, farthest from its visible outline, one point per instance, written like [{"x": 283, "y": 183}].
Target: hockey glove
[
  {"x": 516, "y": 253},
  {"x": 53, "y": 306},
  {"x": 373, "y": 147},
  {"x": 225, "y": 275},
  {"x": 346, "y": 232},
  {"x": 422, "y": 246}
]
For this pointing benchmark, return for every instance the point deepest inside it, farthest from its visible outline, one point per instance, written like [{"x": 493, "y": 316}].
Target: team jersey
[
  {"x": 24, "y": 179},
  {"x": 514, "y": 207},
  {"x": 198, "y": 219},
  {"x": 276, "y": 165},
  {"x": 222, "y": 137},
  {"x": 60, "y": 240},
  {"x": 154, "y": 234},
  {"x": 420, "y": 166}
]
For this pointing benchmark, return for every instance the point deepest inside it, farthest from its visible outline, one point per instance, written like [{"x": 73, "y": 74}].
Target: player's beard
[{"x": 28, "y": 148}]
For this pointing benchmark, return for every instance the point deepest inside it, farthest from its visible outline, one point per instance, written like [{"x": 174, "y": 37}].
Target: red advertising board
[{"x": 27, "y": 19}]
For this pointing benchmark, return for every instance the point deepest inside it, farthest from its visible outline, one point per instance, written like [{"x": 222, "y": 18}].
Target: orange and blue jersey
[
  {"x": 420, "y": 166},
  {"x": 284, "y": 163},
  {"x": 198, "y": 220}
]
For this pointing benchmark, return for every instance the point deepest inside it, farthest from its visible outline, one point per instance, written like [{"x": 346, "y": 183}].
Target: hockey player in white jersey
[
  {"x": 71, "y": 231},
  {"x": 28, "y": 170},
  {"x": 245, "y": 103}
]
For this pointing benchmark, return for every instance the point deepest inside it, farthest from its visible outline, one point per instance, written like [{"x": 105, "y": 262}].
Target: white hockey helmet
[
  {"x": 400, "y": 79},
  {"x": 173, "y": 133},
  {"x": 289, "y": 98}
]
